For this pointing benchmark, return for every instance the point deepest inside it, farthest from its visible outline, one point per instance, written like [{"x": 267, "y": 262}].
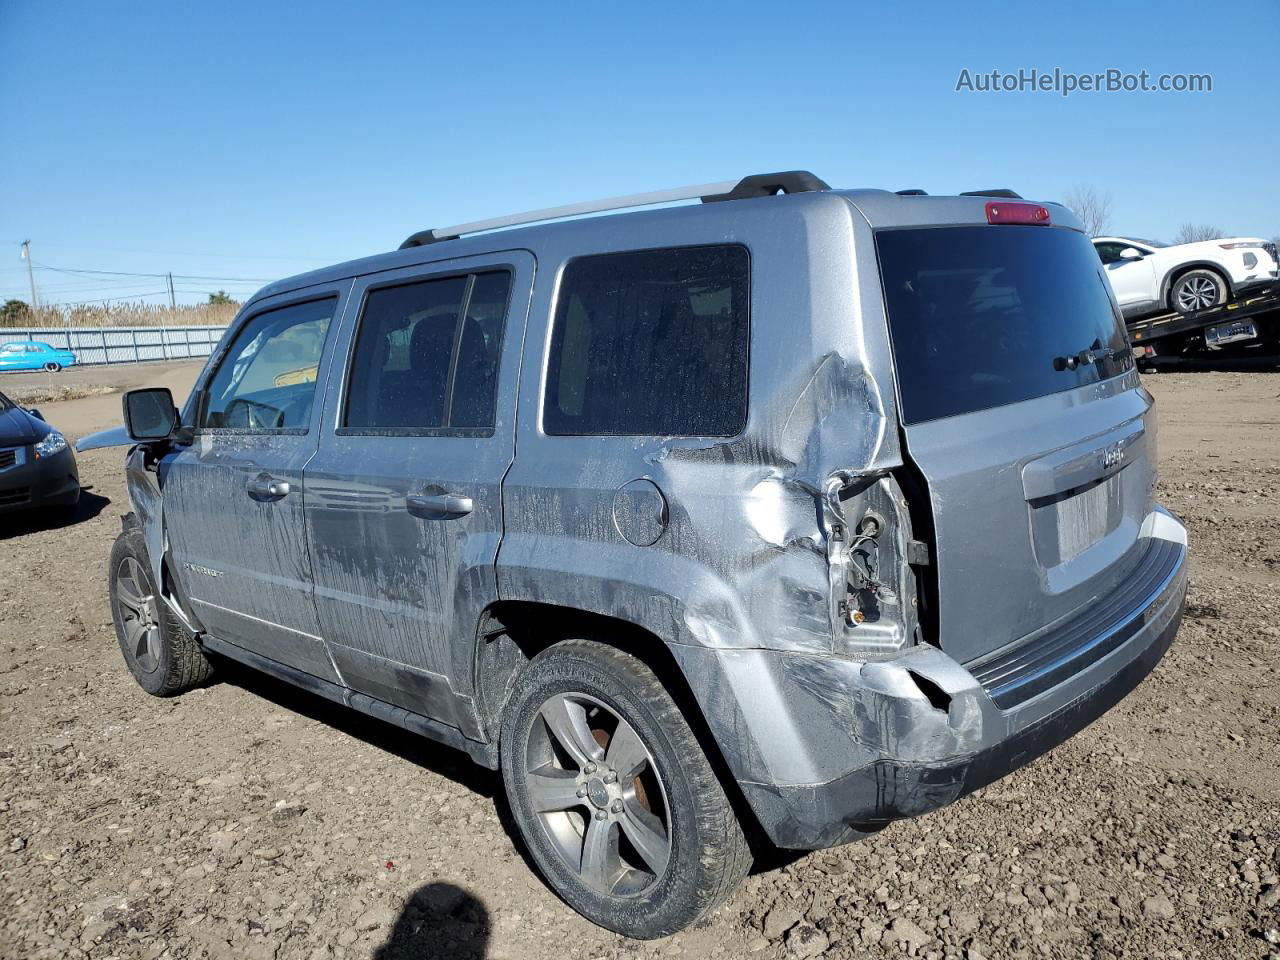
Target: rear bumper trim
[{"x": 1039, "y": 663}]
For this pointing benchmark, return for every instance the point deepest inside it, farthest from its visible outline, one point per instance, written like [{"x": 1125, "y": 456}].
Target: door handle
[
  {"x": 265, "y": 488},
  {"x": 438, "y": 506}
]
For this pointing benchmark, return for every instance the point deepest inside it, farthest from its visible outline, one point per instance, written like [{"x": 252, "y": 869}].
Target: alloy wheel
[
  {"x": 136, "y": 607},
  {"x": 598, "y": 794},
  {"x": 1198, "y": 293}
]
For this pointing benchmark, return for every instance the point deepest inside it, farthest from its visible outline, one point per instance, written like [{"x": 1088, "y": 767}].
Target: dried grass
[
  {"x": 127, "y": 315},
  {"x": 30, "y": 396}
]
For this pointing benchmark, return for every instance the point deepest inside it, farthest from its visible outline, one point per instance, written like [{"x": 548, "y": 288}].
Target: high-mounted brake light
[{"x": 1009, "y": 212}]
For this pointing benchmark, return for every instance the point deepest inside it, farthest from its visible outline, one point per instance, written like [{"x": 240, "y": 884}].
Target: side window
[
  {"x": 1108, "y": 252},
  {"x": 426, "y": 355},
  {"x": 651, "y": 343},
  {"x": 267, "y": 380}
]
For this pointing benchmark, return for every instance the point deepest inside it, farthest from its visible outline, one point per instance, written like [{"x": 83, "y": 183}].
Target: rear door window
[
  {"x": 985, "y": 316},
  {"x": 426, "y": 356},
  {"x": 651, "y": 343}
]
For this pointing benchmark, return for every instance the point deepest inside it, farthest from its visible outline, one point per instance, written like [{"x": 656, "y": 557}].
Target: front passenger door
[{"x": 233, "y": 500}]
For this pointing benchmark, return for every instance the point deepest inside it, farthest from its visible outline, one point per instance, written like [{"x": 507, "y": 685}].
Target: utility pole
[
  {"x": 31, "y": 277},
  {"x": 172, "y": 304}
]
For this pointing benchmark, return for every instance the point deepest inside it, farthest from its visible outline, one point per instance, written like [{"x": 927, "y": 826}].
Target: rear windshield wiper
[{"x": 1095, "y": 354}]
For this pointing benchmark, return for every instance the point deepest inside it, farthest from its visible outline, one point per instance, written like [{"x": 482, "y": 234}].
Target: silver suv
[{"x": 764, "y": 520}]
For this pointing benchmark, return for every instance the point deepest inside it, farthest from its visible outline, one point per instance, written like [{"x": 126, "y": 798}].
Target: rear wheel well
[{"x": 511, "y": 633}]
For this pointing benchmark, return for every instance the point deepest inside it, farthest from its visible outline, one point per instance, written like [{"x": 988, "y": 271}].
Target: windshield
[
  {"x": 1149, "y": 243},
  {"x": 981, "y": 317}
]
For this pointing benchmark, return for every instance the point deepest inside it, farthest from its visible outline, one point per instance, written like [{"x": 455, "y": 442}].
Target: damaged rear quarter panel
[{"x": 742, "y": 564}]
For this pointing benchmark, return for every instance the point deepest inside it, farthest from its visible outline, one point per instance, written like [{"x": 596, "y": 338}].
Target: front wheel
[
  {"x": 616, "y": 801},
  {"x": 1197, "y": 290},
  {"x": 53, "y": 366},
  {"x": 159, "y": 651}
]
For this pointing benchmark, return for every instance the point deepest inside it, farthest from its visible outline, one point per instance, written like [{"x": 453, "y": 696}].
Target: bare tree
[
  {"x": 1092, "y": 207},
  {"x": 1195, "y": 232}
]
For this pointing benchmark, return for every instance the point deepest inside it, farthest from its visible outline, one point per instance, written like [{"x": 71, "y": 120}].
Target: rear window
[
  {"x": 651, "y": 343},
  {"x": 982, "y": 317}
]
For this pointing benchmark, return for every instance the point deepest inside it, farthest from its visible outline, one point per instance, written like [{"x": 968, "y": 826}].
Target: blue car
[{"x": 33, "y": 355}]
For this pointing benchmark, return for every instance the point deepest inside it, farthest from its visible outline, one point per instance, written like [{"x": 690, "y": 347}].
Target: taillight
[{"x": 1027, "y": 213}]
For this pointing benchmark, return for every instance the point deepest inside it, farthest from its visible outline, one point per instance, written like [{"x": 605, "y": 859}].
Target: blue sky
[{"x": 256, "y": 140}]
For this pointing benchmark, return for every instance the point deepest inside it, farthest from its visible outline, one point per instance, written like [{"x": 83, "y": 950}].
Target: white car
[{"x": 1152, "y": 277}]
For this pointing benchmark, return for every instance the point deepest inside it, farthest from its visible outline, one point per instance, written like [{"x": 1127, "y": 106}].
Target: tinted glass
[
  {"x": 1108, "y": 252},
  {"x": 267, "y": 380},
  {"x": 651, "y": 343},
  {"x": 476, "y": 377},
  {"x": 410, "y": 348},
  {"x": 984, "y": 316},
  {"x": 404, "y": 348}
]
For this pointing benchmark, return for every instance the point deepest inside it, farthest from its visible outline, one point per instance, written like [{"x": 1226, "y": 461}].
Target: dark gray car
[
  {"x": 765, "y": 520},
  {"x": 37, "y": 465}
]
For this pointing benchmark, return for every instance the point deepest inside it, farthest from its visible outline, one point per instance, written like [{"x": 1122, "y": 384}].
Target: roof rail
[
  {"x": 771, "y": 184},
  {"x": 757, "y": 185},
  {"x": 1003, "y": 193}
]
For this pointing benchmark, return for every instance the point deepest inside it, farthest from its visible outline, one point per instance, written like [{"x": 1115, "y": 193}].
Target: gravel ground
[{"x": 248, "y": 820}]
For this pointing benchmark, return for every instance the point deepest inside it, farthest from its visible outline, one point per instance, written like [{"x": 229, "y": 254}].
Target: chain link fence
[{"x": 122, "y": 344}]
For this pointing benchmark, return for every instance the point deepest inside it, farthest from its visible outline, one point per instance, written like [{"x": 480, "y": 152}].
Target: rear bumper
[
  {"x": 45, "y": 482},
  {"x": 839, "y": 747},
  {"x": 835, "y": 812}
]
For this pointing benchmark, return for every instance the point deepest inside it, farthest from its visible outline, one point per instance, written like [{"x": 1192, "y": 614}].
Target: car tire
[
  {"x": 160, "y": 652},
  {"x": 664, "y": 844},
  {"x": 1197, "y": 290},
  {"x": 52, "y": 366}
]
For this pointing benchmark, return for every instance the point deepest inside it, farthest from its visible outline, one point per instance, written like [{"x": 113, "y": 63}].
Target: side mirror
[
  {"x": 149, "y": 414},
  {"x": 1130, "y": 253},
  {"x": 36, "y": 413}
]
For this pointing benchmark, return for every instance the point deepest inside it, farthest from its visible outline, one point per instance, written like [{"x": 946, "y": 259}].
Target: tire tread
[
  {"x": 725, "y": 858},
  {"x": 186, "y": 666}
]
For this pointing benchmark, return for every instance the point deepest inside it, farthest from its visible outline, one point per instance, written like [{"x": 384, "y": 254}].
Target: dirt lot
[{"x": 247, "y": 820}]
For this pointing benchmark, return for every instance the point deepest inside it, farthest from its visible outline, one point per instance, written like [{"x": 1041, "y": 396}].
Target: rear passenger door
[{"x": 404, "y": 508}]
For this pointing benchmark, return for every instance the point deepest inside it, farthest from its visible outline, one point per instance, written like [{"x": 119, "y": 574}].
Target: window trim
[
  {"x": 470, "y": 273},
  {"x": 553, "y": 326},
  {"x": 202, "y": 397}
]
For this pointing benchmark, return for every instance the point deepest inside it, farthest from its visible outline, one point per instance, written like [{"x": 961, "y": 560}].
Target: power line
[
  {"x": 121, "y": 298},
  {"x": 188, "y": 253},
  {"x": 157, "y": 276}
]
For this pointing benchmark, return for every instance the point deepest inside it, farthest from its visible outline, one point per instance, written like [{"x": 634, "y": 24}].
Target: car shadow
[
  {"x": 439, "y": 920},
  {"x": 430, "y": 755},
  {"x": 436, "y": 758},
  {"x": 45, "y": 518},
  {"x": 418, "y": 750}
]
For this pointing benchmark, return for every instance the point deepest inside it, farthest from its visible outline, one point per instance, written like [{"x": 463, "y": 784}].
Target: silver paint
[{"x": 758, "y": 565}]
